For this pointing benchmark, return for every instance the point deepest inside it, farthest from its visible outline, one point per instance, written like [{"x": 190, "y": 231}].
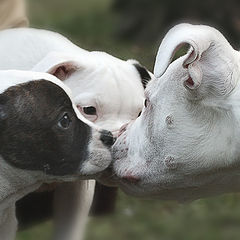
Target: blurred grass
[
  {"x": 210, "y": 219},
  {"x": 91, "y": 25}
]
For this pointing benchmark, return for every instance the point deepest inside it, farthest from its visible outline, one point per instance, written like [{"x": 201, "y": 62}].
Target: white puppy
[
  {"x": 102, "y": 85},
  {"x": 185, "y": 144},
  {"x": 107, "y": 91},
  {"x": 43, "y": 139}
]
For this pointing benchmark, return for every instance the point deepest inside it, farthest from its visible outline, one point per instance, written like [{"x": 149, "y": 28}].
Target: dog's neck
[{"x": 15, "y": 183}]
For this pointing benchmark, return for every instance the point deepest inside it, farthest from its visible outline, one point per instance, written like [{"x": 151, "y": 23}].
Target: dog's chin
[{"x": 98, "y": 161}]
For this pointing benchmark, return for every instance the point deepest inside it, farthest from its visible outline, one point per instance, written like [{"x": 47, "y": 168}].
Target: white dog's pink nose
[{"x": 130, "y": 177}]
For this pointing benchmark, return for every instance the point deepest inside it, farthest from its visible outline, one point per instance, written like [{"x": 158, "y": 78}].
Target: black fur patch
[
  {"x": 145, "y": 76},
  {"x": 30, "y": 135}
]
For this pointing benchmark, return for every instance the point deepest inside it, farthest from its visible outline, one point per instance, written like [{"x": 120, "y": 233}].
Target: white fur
[{"x": 185, "y": 145}]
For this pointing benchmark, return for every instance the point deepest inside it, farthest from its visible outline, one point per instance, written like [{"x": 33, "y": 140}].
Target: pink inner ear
[
  {"x": 61, "y": 73},
  {"x": 190, "y": 59},
  {"x": 79, "y": 108},
  {"x": 189, "y": 82}
]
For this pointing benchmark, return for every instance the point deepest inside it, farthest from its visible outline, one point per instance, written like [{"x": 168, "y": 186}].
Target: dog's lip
[{"x": 130, "y": 179}]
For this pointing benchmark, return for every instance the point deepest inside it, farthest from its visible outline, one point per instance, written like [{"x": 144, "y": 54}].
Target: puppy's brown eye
[
  {"x": 65, "y": 121},
  {"x": 90, "y": 110},
  {"x": 139, "y": 114}
]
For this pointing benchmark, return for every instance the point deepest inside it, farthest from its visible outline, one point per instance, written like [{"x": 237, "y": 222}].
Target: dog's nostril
[{"x": 107, "y": 138}]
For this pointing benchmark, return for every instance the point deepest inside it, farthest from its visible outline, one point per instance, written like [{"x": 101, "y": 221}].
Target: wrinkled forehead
[
  {"x": 124, "y": 92},
  {"x": 109, "y": 84}
]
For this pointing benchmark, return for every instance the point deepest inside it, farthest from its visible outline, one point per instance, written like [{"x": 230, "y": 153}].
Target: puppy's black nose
[{"x": 107, "y": 138}]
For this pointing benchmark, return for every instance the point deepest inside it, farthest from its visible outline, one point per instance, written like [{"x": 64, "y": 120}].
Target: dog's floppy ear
[
  {"x": 59, "y": 65},
  {"x": 144, "y": 74},
  {"x": 210, "y": 57}
]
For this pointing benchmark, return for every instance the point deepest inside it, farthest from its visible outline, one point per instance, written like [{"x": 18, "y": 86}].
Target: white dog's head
[
  {"x": 108, "y": 91},
  {"x": 185, "y": 144}
]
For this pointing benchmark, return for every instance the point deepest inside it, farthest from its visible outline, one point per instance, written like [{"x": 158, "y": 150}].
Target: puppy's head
[
  {"x": 185, "y": 143},
  {"x": 107, "y": 91},
  {"x": 41, "y": 129}
]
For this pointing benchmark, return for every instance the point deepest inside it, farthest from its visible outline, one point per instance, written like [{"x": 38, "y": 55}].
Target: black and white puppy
[{"x": 43, "y": 138}]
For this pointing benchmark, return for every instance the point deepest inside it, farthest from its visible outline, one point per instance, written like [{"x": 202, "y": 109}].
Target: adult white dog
[
  {"x": 185, "y": 144},
  {"x": 106, "y": 90},
  {"x": 44, "y": 138}
]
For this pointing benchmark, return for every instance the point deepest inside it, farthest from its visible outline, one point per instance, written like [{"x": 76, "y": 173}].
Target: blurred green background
[{"x": 133, "y": 29}]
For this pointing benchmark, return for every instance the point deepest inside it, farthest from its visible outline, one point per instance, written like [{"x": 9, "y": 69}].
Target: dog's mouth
[
  {"x": 111, "y": 177},
  {"x": 108, "y": 177},
  {"x": 130, "y": 179}
]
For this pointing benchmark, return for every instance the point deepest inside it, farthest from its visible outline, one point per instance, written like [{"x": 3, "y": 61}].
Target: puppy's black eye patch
[{"x": 90, "y": 110}]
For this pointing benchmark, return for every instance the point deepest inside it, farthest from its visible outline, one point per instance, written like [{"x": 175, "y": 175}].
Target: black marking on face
[
  {"x": 107, "y": 138},
  {"x": 145, "y": 76},
  {"x": 32, "y": 136}
]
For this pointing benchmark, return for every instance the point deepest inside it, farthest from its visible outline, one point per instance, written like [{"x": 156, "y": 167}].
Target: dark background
[{"x": 133, "y": 29}]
